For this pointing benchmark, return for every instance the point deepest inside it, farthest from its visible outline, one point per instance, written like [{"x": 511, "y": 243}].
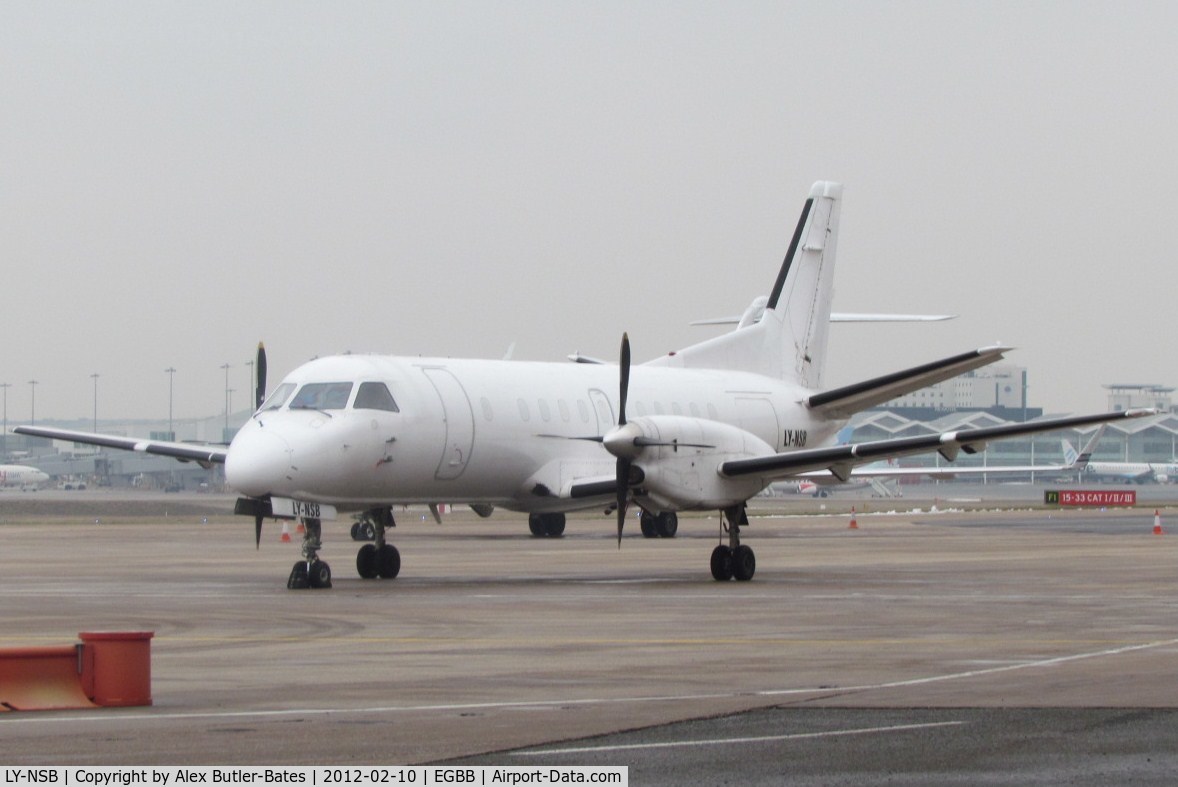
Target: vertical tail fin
[{"x": 787, "y": 339}]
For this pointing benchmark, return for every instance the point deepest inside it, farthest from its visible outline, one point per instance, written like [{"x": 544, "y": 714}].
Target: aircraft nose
[{"x": 258, "y": 463}]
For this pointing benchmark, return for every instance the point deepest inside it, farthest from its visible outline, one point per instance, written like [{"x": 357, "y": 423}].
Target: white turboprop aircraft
[
  {"x": 22, "y": 476},
  {"x": 704, "y": 428}
]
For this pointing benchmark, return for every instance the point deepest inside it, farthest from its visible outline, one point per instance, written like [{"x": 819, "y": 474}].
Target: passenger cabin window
[
  {"x": 375, "y": 396},
  {"x": 322, "y": 396},
  {"x": 278, "y": 398}
]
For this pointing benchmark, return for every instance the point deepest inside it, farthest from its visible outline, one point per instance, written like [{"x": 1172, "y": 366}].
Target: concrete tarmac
[{"x": 914, "y": 632}]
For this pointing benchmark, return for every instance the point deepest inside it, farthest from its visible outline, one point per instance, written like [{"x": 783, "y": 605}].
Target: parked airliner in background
[
  {"x": 23, "y": 476},
  {"x": 704, "y": 428},
  {"x": 1128, "y": 472}
]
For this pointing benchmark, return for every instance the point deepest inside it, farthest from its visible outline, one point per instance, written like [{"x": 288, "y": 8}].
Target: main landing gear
[
  {"x": 733, "y": 560},
  {"x": 546, "y": 525},
  {"x": 664, "y": 524},
  {"x": 379, "y": 559}
]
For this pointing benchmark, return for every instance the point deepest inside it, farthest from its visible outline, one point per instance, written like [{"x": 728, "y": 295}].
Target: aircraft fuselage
[{"x": 505, "y": 433}]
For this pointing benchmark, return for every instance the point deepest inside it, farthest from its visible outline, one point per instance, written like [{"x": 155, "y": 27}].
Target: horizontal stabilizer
[
  {"x": 844, "y": 317},
  {"x": 188, "y": 452},
  {"x": 850, "y": 399}
]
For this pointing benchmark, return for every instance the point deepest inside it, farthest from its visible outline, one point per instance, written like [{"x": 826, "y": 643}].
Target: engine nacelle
[{"x": 680, "y": 458}]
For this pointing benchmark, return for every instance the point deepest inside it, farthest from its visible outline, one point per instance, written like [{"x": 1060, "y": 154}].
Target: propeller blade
[
  {"x": 257, "y": 532},
  {"x": 624, "y": 379},
  {"x": 623, "y": 478},
  {"x": 260, "y": 367},
  {"x": 623, "y": 466}
]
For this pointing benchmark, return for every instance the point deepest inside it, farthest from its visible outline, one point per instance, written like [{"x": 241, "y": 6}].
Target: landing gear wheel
[
  {"x": 319, "y": 575},
  {"x": 366, "y": 562},
  {"x": 299, "y": 578},
  {"x": 367, "y": 532},
  {"x": 355, "y": 531},
  {"x": 744, "y": 563},
  {"x": 722, "y": 563},
  {"x": 648, "y": 523},
  {"x": 388, "y": 561},
  {"x": 546, "y": 525},
  {"x": 667, "y": 524}
]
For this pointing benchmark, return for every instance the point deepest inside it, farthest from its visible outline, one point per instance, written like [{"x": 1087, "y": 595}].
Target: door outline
[
  {"x": 602, "y": 410},
  {"x": 458, "y": 417}
]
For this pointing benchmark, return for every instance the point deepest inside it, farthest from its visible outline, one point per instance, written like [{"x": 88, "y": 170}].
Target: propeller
[
  {"x": 259, "y": 397},
  {"x": 624, "y": 464}
]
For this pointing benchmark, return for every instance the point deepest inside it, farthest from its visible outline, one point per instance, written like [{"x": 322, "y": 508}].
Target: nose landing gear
[{"x": 310, "y": 572}]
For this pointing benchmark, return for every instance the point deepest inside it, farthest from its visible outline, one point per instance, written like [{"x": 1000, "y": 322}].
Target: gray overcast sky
[{"x": 180, "y": 180}]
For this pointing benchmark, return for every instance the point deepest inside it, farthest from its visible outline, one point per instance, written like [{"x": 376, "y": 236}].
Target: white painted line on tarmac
[
  {"x": 1052, "y": 662},
  {"x": 796, "y": 736},
  {"x": 107, "y": 716}
]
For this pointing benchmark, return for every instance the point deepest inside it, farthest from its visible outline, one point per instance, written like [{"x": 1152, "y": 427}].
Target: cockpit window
[
  {"x": 322, "y": 396},
  {"x": 375, "y": 396},
  {"x": 278, "y": 397}
]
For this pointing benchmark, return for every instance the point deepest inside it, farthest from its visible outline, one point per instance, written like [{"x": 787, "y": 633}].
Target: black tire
[
  {"x": 667, "y": 524},
  {"x": 536, "y": 525},
  {"x": 388, "y": 562},
  {"x": 368, "y": 532},
  {"x": 721, "y": 563},
  {"x": 744, "y": 563},
  {"x": 554, "y": 525},
  {"x": 366, "y": 562},
  {"x": 649, "y": 525},
  {"x": 320, "y": 575},
  {"x": 298, "y": 579}
]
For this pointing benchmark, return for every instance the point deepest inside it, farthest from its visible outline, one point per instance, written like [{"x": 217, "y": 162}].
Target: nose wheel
[{"x": 310, "y": 572}]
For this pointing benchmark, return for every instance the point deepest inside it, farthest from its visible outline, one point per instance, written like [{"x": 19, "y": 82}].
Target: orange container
[
  {"x": 41, "y": 679},
  {"x": 116, "y": 667}
]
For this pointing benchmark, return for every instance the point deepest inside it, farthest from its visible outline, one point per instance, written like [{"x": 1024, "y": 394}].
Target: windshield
[
  {"x": 322, "y": 396},
  {"x": 278, "y": 398},
  {"x": 375, "y": 396}
]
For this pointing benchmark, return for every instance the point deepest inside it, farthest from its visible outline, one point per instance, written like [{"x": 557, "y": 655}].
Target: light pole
[
  {"x": 4, "y": 438},
  {"x": 225, "y": 366},
  {"x": 32, "y": 402},
  {"x": 171, "y": 372},
  {"x": 250, "y": 387},
  {"x": 94, "y": 377}
]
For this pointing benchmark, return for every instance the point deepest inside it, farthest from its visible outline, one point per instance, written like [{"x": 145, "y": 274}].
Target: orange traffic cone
[
  {"x": 285, "y": 537},
  {"x": 854, "y": 525},
  {"x": 1157, "y": 523},
  {"x": 300, "y": 528}
]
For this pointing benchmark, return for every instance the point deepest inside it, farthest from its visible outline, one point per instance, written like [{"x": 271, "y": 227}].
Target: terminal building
[
  {"x": 996, "y": 395},
  {"x": 74, "y": 464}
]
